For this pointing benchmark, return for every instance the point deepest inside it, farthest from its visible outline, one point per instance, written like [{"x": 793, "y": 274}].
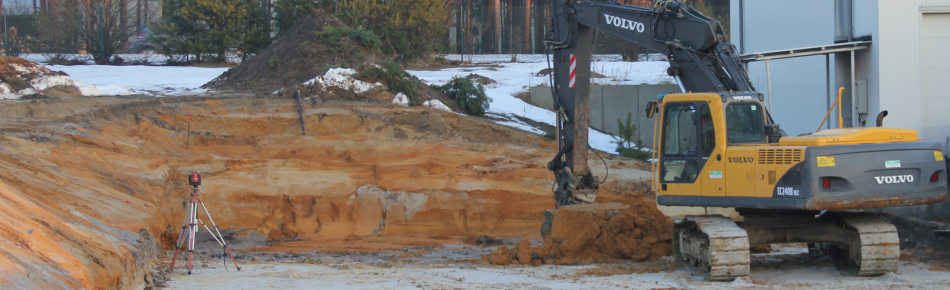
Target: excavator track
[
  {"x": 716, "y": 243},
  {"x": 875, "y": 248}
]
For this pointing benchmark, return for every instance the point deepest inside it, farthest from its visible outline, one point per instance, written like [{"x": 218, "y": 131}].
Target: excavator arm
[{"x": 700, "y": 59}]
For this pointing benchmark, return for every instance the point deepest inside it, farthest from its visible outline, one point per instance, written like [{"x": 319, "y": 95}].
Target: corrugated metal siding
[
  {"x": 935, "y": 50},
  {"x": 902, "y": 65},
  {"x": 899, "y": 59}
]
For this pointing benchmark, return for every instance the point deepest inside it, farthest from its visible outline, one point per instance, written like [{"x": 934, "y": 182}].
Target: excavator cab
[{"x": 694, "y": 132}]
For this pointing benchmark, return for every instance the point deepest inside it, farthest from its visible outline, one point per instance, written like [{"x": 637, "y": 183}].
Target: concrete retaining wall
[{"x": 608, "y": 103}]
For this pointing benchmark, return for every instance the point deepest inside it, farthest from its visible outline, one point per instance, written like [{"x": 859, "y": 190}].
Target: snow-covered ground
[
  {"x": 513, "y": 78},
  {"x": 139, "y": 79},
  {"x": 138, "y": 58}
]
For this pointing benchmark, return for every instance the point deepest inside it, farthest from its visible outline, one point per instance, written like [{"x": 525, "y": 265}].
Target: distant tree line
[
  {"x": 519, "y": 26},
  {"x": 213, "y": 28},
  {"x": 209, "y": 30},
  {"x": 98, "y": 27}
]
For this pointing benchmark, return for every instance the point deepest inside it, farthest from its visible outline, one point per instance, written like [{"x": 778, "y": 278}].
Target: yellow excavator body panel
[
  {"x": 754, "y": 170},
  {"x": 852, "y": 136}
]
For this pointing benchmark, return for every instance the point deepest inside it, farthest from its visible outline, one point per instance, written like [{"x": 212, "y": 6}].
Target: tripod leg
[
  {"x": 192, "y": 231},
  {"x": 179, "y": 243},
  {"x": 223, "y": 243}
]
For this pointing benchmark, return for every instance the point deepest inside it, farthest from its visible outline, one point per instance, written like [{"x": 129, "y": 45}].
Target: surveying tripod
[{"x": 190, "y": 227}]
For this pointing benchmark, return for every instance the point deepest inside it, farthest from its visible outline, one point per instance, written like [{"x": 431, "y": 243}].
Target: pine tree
[
  {"x": 256, "y": 36},
  {"x": 176, "y": 35},
  {"x": 220, "y": 24},
  {"x": 213, "y": 27},
  {"x": 409, "y": 29},
  {"x": 288, "y": 12}
]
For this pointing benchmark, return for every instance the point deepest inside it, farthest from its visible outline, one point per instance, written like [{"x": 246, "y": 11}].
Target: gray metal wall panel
[
  {"x": 798, "y": 100},
  {"x": 780, "y": 24},
  {"x": 799, "y": 85},
  {"x": 866, "y": 62}
]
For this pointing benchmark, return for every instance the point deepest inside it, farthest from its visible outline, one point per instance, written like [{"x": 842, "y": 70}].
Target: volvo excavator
[{"x": 715, "y": 145}]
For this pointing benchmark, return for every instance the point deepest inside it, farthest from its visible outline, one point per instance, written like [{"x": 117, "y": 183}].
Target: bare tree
[{"x": 102, "y": 30}]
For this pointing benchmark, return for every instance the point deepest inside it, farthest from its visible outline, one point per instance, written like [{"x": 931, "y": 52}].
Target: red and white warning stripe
[{"x": 573, "y": 70}]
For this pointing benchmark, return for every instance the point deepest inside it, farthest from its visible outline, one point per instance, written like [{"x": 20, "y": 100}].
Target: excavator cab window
[
  {"x": 745, "y": 123},
  {"x": 684, "y": 144}
]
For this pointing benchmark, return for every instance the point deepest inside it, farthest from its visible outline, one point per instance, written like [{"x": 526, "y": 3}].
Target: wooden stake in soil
[
  {"x": 188, "y": 134},
  {"x": 303, "y": 131}
]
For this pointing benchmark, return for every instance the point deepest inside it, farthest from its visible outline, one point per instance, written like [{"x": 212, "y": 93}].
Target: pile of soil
[
  {"x": 579, "y": 233},
  {"x": 21, "y": 78},
  {"x": 296, "y": 57},
  {"x": 300, "y": 56}
]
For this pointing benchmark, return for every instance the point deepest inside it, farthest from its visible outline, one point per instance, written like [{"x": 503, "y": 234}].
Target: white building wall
[
  {"x": 935, "y": 71},
  {"x": 902, "y": 64},
  {"x": 898, "y": 45}
]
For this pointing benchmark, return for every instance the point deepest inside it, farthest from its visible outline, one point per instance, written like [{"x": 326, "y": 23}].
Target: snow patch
[
  {"x": 513, "y": 78},
  {"x": 436, "y": 104},
  {"x": 87, "y": 89},
  {"x": 40, "y": 79},
  {"x": 401, "y": 99},
  {"x": 342, "y": 78},
  {"x": 46, "y": 82},
  {"x": 139, "y": 79},
  {"x": 5, "y": 92}
]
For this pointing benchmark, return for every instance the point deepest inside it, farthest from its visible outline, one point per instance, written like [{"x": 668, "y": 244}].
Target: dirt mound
[
  {"x": 20, "y": 78},
  {"x": 636, "y": 232},
  {"x": 296, "y": 57}
]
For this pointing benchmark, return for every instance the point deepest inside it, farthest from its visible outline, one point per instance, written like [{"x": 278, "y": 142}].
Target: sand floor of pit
[{"x": 448, "y": 267}]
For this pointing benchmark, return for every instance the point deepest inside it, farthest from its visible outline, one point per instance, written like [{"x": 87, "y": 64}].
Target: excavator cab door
[{"x": 688, "y": 141}]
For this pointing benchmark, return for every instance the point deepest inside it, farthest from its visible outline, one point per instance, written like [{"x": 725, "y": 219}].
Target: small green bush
[
  {"x": 470, "y": 96},
  {"x": 625, "y": 146},
  {"x": 396, "y": 80},
  {"x": 332, "y": 36}
]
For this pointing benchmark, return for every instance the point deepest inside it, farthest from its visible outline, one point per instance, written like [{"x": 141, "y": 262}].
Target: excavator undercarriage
[{"x": 863, "y": 242}]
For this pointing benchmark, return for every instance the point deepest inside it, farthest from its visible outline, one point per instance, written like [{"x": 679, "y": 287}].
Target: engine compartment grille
[{"x": 779, "y": 156}]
